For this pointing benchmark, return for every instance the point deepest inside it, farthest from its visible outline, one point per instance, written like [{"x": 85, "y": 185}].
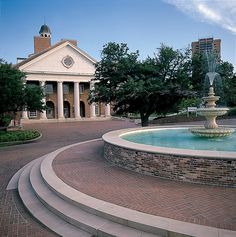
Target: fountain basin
[
  {"x": 212, "y": 111},
  {"x": 211, "y": 128},
  {"x": 212, "y": 133},
  {"x": 197, "y": 166}
]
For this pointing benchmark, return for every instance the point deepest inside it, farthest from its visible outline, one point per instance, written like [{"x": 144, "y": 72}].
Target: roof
[
  {"x": 51, "y": 48},
  {"x": 44, "y": 29}
]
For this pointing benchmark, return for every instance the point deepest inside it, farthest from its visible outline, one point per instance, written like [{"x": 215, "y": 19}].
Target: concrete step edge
[
  {"x": 40, "y": 212},
  {"x": 56, "y": 204}
]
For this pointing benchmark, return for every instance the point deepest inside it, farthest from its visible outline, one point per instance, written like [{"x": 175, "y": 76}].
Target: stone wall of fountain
[{"x": 196, "y": 166}]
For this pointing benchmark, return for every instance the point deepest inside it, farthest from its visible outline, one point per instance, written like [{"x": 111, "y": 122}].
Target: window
[
  {"x": 33, "y": 114},
  {"x": 97, "y": 109},
  {"x": 66, "y": 89},
  {"x": 49, "y": 88},
  {"x": 67, "y": 61},
  {"x": 81, "y": 88}
]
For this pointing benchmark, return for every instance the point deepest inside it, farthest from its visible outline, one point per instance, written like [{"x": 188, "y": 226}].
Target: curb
[{"x": 5, "y": 144}]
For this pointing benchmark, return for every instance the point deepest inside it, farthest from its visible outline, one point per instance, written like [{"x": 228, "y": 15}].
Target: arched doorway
[
  {"x": 82, "y": 109},
  {"x": 66, "y": 109},
  {"x": 50, "y": 110}
]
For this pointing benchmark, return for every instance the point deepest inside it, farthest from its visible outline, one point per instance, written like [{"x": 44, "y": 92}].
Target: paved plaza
[
  {"x": 85, "y": 169},
  {"x": 14, "y": 218}
]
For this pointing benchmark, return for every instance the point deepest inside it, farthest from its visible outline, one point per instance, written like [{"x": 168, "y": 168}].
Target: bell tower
[{"x": 43, "y": 41}]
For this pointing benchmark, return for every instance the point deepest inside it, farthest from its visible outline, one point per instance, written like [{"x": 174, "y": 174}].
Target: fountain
[
  {"x": 210, "y": 112},
  {"x": 174, "y": 153}
]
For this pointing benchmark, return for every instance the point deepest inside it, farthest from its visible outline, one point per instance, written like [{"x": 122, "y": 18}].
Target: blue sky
[{"x": 142, "y": 24}]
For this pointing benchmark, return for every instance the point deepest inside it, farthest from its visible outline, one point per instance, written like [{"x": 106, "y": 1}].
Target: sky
[{"x": 142, "y": 24}]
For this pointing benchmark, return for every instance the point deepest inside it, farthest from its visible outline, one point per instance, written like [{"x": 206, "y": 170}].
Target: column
[
  {"x": 92, "y": 110},
  {"x": 76, "y": 100},
  {"x": 92, "y": 106},
  {"x": 43, "y": 114},
  {"x": 25, "y": 114},
  {"x": 107, "y": 110},
  {"x": 60, "y": 108},
  {"x": 24, "y": 111}
]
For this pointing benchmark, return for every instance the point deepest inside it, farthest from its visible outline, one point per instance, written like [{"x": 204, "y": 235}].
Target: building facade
[
  {"x": 207, "y": 45},
  {"x": 65, "y": 72}
]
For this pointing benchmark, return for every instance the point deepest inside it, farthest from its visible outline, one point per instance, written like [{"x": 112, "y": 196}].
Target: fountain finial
[{"x": 210, "y": 112}]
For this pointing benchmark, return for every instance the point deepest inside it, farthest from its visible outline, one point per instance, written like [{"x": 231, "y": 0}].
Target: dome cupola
[{"x": 45, "y": 31}]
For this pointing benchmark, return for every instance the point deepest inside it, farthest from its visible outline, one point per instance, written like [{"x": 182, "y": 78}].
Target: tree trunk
[
  {"x": 144, "y": 119},
  {"x": 144, "y": 122}
]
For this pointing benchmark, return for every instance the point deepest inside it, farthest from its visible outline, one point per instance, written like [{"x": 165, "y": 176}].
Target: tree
[
  {"x": 230, "y": 88},
  {"x": 113, "y": 70},
  {"x": 15, "y": 94},
  {"x": 228, "y": 83},
  {"x": 153, "y": 85},
  {"x": 199, "y": 70}
]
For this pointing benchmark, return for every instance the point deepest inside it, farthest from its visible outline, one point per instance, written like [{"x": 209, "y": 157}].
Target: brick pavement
[
  {"x": 15, "y": 221},
  {"x": 84, "y": 168}
]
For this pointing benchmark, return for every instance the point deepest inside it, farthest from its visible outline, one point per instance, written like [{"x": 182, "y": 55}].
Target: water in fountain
[
  {"x": 210, "y": 112},
  {"x": 213, "y": 78}
]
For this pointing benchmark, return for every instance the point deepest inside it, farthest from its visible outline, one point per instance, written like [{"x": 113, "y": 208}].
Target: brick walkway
[
  {"x": 84, "y": 168},
  {"x": 15, "y": 221}
]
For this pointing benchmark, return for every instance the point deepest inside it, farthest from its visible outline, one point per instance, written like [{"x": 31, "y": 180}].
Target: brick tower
[{"x": 43, "y": 41}]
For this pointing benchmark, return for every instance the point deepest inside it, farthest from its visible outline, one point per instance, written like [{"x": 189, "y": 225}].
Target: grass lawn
[{"x": 15, "y": 136}]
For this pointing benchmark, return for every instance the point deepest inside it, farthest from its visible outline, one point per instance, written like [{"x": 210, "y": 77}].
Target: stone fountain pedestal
[{"x": 210, "y": 112}]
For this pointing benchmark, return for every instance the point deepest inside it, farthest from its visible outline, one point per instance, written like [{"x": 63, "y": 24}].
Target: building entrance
[
  {"x": 50, "y": 110},
  {"x": 66, "y": 109},
  {"x": 82, "y": 109}
]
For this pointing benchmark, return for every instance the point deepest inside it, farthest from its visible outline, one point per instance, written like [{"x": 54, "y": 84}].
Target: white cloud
[
  {"x": 220, "y": 12},
  {"x": 206, "y": 11}
]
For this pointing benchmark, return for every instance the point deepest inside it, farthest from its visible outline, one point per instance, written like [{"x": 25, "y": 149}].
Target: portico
[{"x": 55, "y": 103}]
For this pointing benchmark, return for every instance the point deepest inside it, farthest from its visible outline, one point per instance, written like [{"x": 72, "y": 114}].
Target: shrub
[
  {"x": 5, "y": 120},
  {"x": 189, "y": 102},
  {"x": 12, "y": 136},
  {"x": 232, "y": 112}
]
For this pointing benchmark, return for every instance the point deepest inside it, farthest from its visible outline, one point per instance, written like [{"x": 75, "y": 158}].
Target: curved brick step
[
  {"x": 40, "y": 212},
  {"x": 88, "y": 222}
]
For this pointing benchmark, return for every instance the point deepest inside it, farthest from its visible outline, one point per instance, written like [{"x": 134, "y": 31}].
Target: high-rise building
[{"x": 207, "y": 45}]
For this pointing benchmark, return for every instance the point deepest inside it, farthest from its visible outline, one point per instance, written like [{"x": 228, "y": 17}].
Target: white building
[{"x": 65, "y": 71}]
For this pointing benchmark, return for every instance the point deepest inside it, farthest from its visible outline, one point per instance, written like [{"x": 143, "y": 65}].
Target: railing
[{"x": 191, "y": 110}]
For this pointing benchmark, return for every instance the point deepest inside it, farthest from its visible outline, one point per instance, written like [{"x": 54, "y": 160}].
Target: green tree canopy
[
  {"x": 15, "y": 94},
  {"x": 154, "y": 85},
  {"x": 228, "y": 83},
  {"x": 199, "y": 70},
  {"x": 230, "y": 86}
]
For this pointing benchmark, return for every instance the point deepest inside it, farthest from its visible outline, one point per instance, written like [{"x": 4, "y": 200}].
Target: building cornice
[{"x": 58, "y": 73}]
